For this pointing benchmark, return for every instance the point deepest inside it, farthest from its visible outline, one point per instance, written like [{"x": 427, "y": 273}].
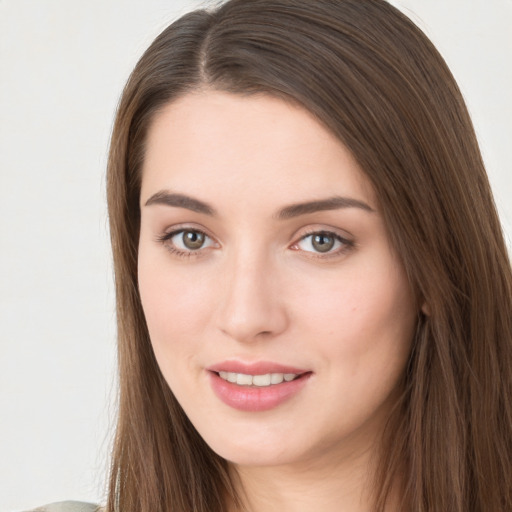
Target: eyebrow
[
  {"x": 294, "y": 210},
  {"x": 181, "y": 201},
  {"x": 331, "y": 203}
]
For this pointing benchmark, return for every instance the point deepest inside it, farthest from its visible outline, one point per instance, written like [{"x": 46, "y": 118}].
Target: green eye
[
  {"x": 192, "y": 240},
  {"x": 322, "y": 242},
  {"x": 187, "y": 240}
]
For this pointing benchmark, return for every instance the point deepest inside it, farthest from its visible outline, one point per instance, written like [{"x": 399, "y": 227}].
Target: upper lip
[{"x": 256, "y": 368}]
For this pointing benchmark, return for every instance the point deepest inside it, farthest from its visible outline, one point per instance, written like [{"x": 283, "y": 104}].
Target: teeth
[
  {"x": 262, "y": 380},
  {"x": 267, "y": 379},
  {"x": 276, "y": 378},
  {"x": 243, "y": 380}
]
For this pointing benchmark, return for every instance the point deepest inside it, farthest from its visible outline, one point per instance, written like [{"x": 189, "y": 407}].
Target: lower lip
[{"x": 254, "y": 398}]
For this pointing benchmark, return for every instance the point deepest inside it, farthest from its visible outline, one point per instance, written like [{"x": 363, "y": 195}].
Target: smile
[
  {"x": 256, "y": 387},
  {"x": 268, "y": 379}
]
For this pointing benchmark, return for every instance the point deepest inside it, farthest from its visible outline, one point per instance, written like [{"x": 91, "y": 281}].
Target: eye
[
  {"x": 186, "y": 241},
  {"x": 323, "y": 242},
  {"x": 191, "y": 240}
]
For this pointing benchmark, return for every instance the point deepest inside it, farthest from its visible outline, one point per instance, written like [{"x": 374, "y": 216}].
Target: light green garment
[{"x": 68, "y": 506}]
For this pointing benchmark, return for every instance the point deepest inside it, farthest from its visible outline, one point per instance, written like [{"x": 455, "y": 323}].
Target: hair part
[{"x": 375, "y": 81}]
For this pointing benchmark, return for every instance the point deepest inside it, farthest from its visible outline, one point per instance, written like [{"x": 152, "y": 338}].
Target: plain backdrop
[{"x": 63, "y": 64}]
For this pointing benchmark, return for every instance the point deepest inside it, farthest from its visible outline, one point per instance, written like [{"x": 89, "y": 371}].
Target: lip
[
  {"x": 257, "y": 368},
  {"x": 254, "y": 398}
]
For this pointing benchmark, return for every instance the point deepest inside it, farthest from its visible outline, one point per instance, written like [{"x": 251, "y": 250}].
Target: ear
[{"x": 425, "y": 309}]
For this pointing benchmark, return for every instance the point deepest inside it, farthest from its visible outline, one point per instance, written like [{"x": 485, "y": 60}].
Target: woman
[{"x": 314, "y": 296}]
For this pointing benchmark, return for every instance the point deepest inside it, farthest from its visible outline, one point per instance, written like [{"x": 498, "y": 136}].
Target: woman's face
[{"x": 279, "y": 313}]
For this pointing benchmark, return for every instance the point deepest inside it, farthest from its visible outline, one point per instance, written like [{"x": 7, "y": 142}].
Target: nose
[{"x": 251, "y": 305}]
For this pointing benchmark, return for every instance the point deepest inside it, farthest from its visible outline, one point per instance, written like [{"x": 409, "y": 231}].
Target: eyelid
[
  {"x": 185, "y": 226},
  {"x": 174, "y": 230},
  {"x": 347, "y": 242}
]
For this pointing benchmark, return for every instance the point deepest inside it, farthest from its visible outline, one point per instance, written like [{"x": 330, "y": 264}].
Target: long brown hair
[{"x": 374, "y": 79}]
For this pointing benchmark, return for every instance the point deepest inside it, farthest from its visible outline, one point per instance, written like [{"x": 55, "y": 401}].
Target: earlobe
[{"x": 425, "y": 309}]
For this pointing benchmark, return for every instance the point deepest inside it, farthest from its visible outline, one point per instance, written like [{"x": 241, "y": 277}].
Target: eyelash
[
  {"x": 346, "y": 245},
  {"x": 166, "y": 237}
]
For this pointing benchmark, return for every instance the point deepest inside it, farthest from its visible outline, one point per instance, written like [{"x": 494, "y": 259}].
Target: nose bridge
[{"x": 251, "y": 304}]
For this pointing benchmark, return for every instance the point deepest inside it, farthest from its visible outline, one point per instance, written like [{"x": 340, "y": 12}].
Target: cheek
[
  {"x": 176, "y": 309},
  {"x": 361, "y": 328},
  {"x": 176, "y": 306},
  {"x": 365, "y": 317}
]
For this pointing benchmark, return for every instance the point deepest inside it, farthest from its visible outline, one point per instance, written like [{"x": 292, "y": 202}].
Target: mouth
[
  {"x": 263, "y": 380},
  {"x": 256, "y": 387}
]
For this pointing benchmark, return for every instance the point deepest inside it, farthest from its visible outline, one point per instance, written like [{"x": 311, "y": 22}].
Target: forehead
[{"x": 232, "y": 146}]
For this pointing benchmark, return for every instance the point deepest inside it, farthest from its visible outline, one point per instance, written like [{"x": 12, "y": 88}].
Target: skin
[{"x": 258, "y": 289}]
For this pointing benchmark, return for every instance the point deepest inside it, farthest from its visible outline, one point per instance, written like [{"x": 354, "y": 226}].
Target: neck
[{"x": 307, "y": 486}]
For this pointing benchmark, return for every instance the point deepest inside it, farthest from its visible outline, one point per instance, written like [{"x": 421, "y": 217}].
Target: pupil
[
  {"x": 323, "y": 243},
  {"x": 193, "y": 239}
]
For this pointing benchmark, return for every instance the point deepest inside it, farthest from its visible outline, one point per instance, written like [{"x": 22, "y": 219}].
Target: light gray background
[{"x": 62, "y": 67}]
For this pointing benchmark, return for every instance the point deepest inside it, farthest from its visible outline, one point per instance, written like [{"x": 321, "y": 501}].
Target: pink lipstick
[{"x": 257, "y": 386}]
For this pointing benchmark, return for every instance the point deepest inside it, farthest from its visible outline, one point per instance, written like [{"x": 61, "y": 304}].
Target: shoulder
[{"x": 68, "y": 506}]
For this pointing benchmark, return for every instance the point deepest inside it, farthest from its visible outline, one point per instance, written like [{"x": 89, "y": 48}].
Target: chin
[
  {"x": 255, "y": 450},
  {"x": 256, "y": 458}
]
